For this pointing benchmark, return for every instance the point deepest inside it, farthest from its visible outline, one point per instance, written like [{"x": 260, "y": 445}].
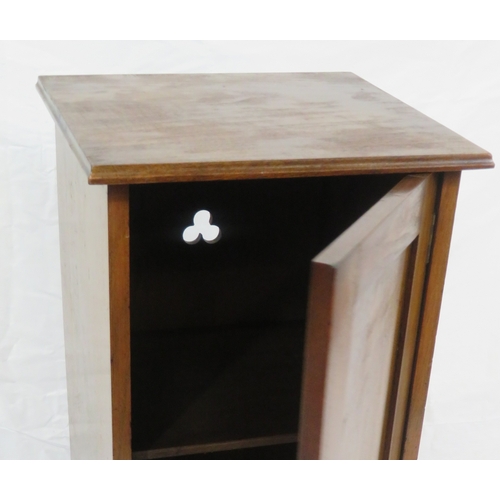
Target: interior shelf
[
  {"x": 270, "y": 452},
  {"x": 202, "y": 390}
]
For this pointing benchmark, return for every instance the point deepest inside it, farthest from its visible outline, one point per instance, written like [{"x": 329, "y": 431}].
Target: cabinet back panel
[
  {"x": 207, "y": 389},
  {"x": 258, "y": 271}
]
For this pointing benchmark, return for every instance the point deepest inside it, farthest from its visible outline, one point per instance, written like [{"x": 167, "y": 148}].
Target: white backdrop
[{"x": 456, "y": 83}]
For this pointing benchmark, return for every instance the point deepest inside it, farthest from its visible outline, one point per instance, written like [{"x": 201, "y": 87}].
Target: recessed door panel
[{"x": 361, "y": 328}]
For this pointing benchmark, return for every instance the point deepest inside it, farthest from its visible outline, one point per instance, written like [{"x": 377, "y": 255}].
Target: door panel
[{"x": 365, "y": 295}]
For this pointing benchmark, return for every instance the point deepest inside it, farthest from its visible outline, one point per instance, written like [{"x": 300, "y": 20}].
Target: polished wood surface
[
  {"x": 156, "y": 128},
  {"x": 357, "y": 310},
  {"x": 83, "y": 223},
  {"x": 433, "y": 292},
  {"x": 119, "y": 293}
]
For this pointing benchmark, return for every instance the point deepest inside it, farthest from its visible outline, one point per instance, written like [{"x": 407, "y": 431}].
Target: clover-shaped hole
[{"x": 202, "y": 228}]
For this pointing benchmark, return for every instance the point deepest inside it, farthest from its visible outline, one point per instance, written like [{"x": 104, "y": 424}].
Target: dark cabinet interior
[{"x": 217, "y": 329}]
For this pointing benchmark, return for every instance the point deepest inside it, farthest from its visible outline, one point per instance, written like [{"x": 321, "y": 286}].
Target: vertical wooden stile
[
  {"x": 433, "y": 292},
  {"x": 119, "y": 289}
]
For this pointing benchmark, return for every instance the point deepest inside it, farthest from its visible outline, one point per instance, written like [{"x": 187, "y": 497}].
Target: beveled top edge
[
  {"x": 185, "y": 172},
  {"x": 130, "y": 173}
]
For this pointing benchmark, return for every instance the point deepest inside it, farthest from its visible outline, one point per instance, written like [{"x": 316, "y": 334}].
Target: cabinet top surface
[{"x": 158, "y": 128}]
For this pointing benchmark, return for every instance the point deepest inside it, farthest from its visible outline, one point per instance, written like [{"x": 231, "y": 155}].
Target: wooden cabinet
[{"x": 252, "y": 264}]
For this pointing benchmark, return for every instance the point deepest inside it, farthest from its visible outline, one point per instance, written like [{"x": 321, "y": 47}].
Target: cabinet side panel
[{"x": 83, "y": 220}]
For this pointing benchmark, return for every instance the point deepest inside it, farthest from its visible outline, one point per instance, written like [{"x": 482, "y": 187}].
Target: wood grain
[
  {"x": 157, "y": 128},
  {"x": 119, "y": 289},
  {"x": 433, "y": 292},
  {"x": 357, "y": 287},
  {"x": 409, "y": 328},
  {"x": 83, "y": 222},
  {"x": 320, "y": 311}
]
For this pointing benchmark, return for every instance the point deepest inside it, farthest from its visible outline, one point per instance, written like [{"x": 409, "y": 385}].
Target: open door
[{"x": 364, "y": 308}]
